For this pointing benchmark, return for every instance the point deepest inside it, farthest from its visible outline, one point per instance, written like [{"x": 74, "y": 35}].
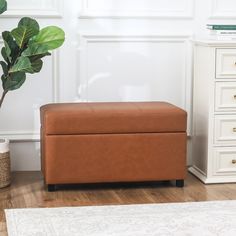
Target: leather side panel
[{"x": 114, "y": 157}]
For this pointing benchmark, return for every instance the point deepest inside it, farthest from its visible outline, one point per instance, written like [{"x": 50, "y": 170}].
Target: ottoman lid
[{"x": 112, "y": 117}]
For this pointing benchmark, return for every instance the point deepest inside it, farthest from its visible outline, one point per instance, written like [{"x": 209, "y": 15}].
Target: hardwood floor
[{"x": 27, "y": 190}]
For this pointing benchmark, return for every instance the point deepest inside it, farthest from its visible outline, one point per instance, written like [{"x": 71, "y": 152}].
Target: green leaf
[
  {"x": 14, "y": 49},
  {"x": 6, "y": 35},
  {"x": 3, "y": 78},
  {"x": 3, "y": 6},
  {"x": 35, "y": 58},
  {"x": 51, "y": 37},
  {"x": 27, "y": 28},
  {"x": 35, "y": 50},
  {"x": 23, "y": 64},
  {"x": 29, "y": 23},
  {"x": 36, "y": 66},
  {"x": 14, "y": 81},
  {"x": 4, "y": 54},
  {"x": 7, "y": 50},
  {"x": 4, "y": 67}
]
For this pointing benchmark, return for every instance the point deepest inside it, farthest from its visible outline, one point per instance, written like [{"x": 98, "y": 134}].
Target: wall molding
[
  {"x": 186, "y": 12},
  {"x": 85, "y": 39},
  {"x": 54, "y": 12},
  {"x": 21, "y": 135},
  {"x": 217, "y": 13}
]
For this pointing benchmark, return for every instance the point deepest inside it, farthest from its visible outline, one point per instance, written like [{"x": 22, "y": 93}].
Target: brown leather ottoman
[{"x": 113, "y": 142}]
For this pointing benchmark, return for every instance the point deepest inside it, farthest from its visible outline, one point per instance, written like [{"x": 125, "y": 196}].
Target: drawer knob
[
  {"x": 233, "y": 161},
  {"x": 234, "y": 129},
  {"x": 234, "y": 96}
]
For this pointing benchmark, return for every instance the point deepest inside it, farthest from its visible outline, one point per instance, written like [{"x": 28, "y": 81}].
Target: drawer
[
  {"x": 225, "y": 96},
  {"x": 226, "y": 63},
  {"x": 224, "y": 161},
  {"x": 225, "y": 129}
]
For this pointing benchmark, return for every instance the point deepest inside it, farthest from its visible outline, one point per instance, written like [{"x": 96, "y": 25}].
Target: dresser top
[{"x": 215, "y": 43}]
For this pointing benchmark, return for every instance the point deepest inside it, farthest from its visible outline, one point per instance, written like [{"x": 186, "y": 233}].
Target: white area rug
[{"x": 178, "y": 219}]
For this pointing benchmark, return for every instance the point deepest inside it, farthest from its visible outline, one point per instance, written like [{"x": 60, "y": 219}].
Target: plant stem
[{"x": 3, "y": 96}]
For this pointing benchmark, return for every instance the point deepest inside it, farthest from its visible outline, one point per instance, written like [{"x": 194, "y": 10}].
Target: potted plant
[{"x": 22, "y": 53}]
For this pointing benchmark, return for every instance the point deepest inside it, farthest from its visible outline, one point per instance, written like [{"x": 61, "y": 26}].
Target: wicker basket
[{"x": 5, "y": 166}]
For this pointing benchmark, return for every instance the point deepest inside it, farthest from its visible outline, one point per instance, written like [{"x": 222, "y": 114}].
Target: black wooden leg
[
  {"x": 180, "y": 183},
  {"x": 51, "y": 187}
]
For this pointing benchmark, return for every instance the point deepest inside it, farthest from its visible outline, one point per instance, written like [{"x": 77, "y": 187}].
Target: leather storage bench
[{"x": 112, "y": 142}]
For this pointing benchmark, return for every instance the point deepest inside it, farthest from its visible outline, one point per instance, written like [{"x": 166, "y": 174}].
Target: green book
[{"x": 221, "y": 27}]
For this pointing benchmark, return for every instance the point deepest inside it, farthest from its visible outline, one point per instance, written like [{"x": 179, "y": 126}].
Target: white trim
[
  {"x": 55, "y": 75},
  {"x": 21, "y": 135},
  {"x": 198, "y": 173},
  {"x": 189, "y": 84},
  {"x": 56, "y": 12},
  {"x": 216, "y": 13},
  {"x": 211, "y": 180},
  {"x": 186, "y": 13},
  {"x": 215, "y": 43},
  {"x": 85, "y": 39}
]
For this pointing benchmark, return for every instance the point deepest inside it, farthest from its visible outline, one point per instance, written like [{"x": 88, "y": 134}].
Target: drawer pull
[
  {"x": 234, "y": 96},
  {"x": 234, "y": 129},
  {"x": 233, "y": 161}
]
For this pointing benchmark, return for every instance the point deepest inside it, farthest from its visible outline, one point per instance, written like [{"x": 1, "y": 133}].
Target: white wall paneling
[
  {"x": 25, "y": 156},
  {"x": 223, "y": 9},
  {"x": 35, "y": 8},
  {"x": 134, "y": 8},
  {"x": 127, "y": 50},
  {"x": 135, "y": 68},
  {"x": 20, "y": 115}
]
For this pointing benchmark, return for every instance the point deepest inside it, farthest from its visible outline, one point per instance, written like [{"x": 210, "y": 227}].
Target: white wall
[{"x": 115, "y": 50}]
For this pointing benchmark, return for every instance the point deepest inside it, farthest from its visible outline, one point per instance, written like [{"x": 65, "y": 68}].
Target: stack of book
[{"x": 222, "y": 32}]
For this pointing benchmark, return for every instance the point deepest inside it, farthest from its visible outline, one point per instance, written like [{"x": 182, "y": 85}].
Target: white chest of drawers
[{"x": 214, "y": 111}]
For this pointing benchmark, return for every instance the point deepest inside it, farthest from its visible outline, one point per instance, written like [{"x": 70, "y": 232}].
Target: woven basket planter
[{"x": 5, "y": 166}]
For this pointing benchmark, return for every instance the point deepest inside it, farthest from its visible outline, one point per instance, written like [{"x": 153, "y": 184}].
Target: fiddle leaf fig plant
[{"x": 23, "y": 50}]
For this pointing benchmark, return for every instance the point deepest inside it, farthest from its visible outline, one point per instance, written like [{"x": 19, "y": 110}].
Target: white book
[
  {"x": 223, "y": 32},
  {"x": 222, "y": 37}
]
